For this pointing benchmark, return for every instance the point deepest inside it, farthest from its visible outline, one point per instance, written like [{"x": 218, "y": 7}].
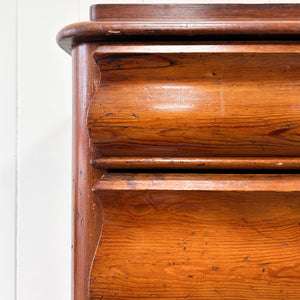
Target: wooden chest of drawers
[{"x": 186, "y": 152}]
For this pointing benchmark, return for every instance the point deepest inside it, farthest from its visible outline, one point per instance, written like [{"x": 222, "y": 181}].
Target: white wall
[
  {"x": 35, "y": 165},
  {"x": 44, "y": 151},
  {"x": 8, "y": 135}
]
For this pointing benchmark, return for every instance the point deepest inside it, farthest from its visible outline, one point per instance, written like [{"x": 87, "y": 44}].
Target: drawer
[
  {"x": 197, "y": 236},
  {"x": 204, "y": 99}
]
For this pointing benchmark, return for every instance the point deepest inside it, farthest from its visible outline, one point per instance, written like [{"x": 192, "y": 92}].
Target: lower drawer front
[{"x": 228, "y": 243}]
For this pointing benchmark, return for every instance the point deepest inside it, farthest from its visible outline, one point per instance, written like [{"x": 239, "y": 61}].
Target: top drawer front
[{"x": 197, "y": 104}]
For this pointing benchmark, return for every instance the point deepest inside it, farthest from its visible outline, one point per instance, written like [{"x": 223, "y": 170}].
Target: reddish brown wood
[
  {"x": 198, "y": 47},
  {"x": 183, "y": 22},
  {"x": 197, "y": 182},
  {"x": 196, "y": 104},
  {"x": 205, "y": 163},
  {"x": 186, "y": 87},
  {"x": 87, "y": 213},
  {"x": 192, "y": 12},
  {"x": 198, "y": 245}
]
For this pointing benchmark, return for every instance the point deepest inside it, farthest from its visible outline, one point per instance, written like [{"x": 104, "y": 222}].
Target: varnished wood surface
[
  {"x": 87, "y": 213},
  {"x": 186, "y": 87},
  {"x": 201, "y": 163},
  {"x": 199, "y": 47},
  {"x": 216, "y": 12},
  {"x": 183, "y": 22},
  {"x": 198, "y": 245},
  {"x": 197, "y": 182},
  {"x": 197, "y": 104}
]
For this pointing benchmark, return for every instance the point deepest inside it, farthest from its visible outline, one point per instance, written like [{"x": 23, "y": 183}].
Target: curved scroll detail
[
  {"x": 200, "y": 100},
  {"x": 166, "y": 241}
]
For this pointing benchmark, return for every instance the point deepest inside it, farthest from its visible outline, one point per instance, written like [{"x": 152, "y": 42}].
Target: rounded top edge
[
  {"x": 134, "y": 22},
  {"x": 184, "y": 30},
  {"x": 67, "y": 36}
]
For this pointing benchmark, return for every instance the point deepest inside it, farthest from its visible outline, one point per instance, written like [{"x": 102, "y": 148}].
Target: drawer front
[
  {"x": 209, "y": 103},
  {"x": 197, "y": 237}
]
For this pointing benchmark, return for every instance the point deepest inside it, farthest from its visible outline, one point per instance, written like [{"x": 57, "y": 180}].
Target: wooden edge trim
[
  {"x": 198, "y": 182},
  {"x": 100, "y": 12},
  {"x": 87, "y": 209},
  {"x": 248, "y": 163},
  {"x": 202, "y": 47},
  {"x": 119, "y": 30}
]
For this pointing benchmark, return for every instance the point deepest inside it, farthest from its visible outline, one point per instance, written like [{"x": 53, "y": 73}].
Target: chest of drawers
[{"x": 186, "y": 146}]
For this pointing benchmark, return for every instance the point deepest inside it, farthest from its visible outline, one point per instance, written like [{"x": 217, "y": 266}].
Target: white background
[{"x": 35, "y": 150}]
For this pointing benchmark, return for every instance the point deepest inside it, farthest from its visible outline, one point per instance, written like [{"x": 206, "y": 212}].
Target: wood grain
[
  {"x": 197, "y": 182},
  {"x": 197, "y": 163},
  {"x": 199, "y": 47},
  {"x": 183, "y": 22},
  {"x": 198, "y": 245},
  {"x": 186, "y": 87},
  {"x": 216, "y": 12},
  {"x": 197, "y": 104},
  {"x": 87, "y": 212}
]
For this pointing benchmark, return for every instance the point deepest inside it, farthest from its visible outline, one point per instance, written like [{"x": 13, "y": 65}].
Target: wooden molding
[
  {"x": 197, "y": 22},
  {"x": 197, "y": 163},
  {"x": 197, "y": 182}
]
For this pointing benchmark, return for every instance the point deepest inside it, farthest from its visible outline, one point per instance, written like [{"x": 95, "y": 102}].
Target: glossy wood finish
[
  {"x": 198, "y": 245},
  {"x": 198, "y": 47},
  {"x": 184, "y": 90},
  {"x": 183, "y": 22},
  {"x": 197, "y": 182},
  {"x": 87, "y": 212},
  {"x": 194, "y": 12},
  {"x": 196, "y": 104},
  {"x": 197, "y": 163}
]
